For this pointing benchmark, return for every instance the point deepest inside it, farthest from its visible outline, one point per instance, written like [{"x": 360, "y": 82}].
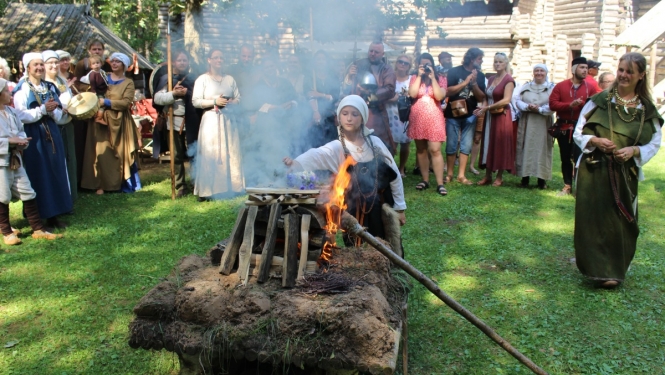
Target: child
[
  {"x": 14, "y": 181},
  {"x": 98, "y": 82}
]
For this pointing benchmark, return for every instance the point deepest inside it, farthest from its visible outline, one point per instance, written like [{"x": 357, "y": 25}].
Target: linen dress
[
  {"x": 218, "y": 168},
  {"x": 497, "y": 151},
  {"x": 397, "y": 127},
  {"x": 426, "y": 120},
  {"x": 533, "y": 156},
  {"x": 109, "y": 162},
  {"x": 44, "y": 159},
  {"x": 606, "y": 210}
]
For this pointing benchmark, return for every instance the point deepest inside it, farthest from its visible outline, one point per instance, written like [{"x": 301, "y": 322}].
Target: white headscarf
[
  {"x": 48, "y": 54},
  {"x": 358, "y": 103},
  {"x": 29, "y": 57},
  {"x": 122, "y": 57},
  {"x": 543, "y": 67},
  {"x": 63, "y": 54}
]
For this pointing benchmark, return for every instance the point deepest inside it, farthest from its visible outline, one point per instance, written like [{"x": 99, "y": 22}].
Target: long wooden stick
[
  {"x": 351, "y": 226},
  {"x": 169, "y": 70}
]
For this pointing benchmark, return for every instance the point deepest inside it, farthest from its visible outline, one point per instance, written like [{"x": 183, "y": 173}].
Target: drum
[{"x": 83, "y": 106}]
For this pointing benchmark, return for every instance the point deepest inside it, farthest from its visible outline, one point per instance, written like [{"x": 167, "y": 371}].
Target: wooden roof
[{"x": 38, "y": 27}]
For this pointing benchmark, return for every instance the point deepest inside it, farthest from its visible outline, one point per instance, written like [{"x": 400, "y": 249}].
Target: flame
[{"x": 336, "y": 206}]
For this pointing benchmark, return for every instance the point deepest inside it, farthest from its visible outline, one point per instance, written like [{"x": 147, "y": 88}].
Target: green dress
[{"x": 606, "y": 227}]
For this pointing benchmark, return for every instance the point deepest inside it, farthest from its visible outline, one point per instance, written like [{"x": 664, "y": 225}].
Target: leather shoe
[
  {"x": 567, "y": 189},
  {"x": 44, "y": 235},
  {"x": 12, "y": 239},
  {"x": 181, "y": 193},
  {"x": 56, "y": 223}
]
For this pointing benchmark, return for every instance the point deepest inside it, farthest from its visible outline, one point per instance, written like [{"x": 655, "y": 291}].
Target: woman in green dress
[{"x": 619, "y": 131}]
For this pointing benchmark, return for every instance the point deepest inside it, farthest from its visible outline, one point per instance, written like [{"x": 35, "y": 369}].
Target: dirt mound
[{"x": 216, "y": 325}]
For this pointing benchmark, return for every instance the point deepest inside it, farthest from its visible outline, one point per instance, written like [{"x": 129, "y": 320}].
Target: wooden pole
[
  {"x": 351, "y": 226},
  {"x": 653, "y": 64},
  {"x": 169, "y": 64},
  {"x": 311, "y": 45}
]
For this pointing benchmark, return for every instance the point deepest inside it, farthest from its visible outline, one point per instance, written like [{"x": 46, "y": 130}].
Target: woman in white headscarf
[
  {"x": 109, "y": 162},
  {"x": 533, "y": 157},
  {"x": 52, "y": 68},
  {"x": 375, "y": 176}
]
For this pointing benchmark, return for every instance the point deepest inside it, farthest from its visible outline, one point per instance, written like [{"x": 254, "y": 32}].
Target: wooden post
[
  {"x": 653, "y": 64},
  {"x": 169, "y": 70},
  {"x": 245, "y": 251},
  {"x": 229, "y": 257},
  {"x": 269, "y": 245},
  {"x": 304, "y": 244},
  {"x": 290, "y": 265}
]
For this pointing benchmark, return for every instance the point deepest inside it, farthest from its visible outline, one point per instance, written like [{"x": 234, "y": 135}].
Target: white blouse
[
  {"x": 28, "y": 116},
  {"x": 331, "y": 155},
  {"x": 647, "y": 151}
]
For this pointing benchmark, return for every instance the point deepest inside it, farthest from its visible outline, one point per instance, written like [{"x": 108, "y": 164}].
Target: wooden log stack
[{"x": 279, "y": 233}]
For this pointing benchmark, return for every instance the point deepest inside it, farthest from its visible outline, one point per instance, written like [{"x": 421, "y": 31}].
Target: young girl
[
  {"x": 14, "y": 181},
  {"x": 98, "y": 82},
  {"x": 375, "y": 178}
]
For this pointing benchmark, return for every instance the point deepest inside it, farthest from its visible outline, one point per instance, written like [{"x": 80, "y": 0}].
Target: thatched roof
[{"x": 37, "y": 27}]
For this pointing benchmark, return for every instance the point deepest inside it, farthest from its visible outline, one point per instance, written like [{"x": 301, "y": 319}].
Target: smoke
[{"x": 272, "y": 121}]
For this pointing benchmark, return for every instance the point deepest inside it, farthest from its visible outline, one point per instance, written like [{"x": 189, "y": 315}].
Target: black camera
[{"x": 427, "y": 68}]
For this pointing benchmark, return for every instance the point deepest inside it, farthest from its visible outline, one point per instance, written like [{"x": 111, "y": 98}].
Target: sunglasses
[{"x": 402, "y": 62}]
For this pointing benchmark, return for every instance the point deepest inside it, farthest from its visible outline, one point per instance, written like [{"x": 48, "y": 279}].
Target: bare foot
[{"x": 99, "y": 192}]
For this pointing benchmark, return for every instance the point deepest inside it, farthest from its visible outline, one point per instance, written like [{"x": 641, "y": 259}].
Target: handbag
[
  {"x": 496, "y": 111},
  {"x": 458, "y": 108},
  {"x": 404, "y": 107},
  {"x": 555, "y": 130}
]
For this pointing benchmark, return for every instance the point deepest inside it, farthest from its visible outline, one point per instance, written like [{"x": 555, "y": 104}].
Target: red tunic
[
  {"x": 498, "y": 147},
  {"x": 426, "y": 118}
]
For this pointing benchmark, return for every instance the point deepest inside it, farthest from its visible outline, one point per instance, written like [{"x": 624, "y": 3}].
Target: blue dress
[{"x": 44, "y": 159}]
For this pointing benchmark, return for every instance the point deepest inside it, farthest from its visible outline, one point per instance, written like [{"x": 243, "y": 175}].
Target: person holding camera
[
  {"x": 466, "y": 90},
  {"x": 397, "y": 127},
  {"x": 426, "y": 123}
]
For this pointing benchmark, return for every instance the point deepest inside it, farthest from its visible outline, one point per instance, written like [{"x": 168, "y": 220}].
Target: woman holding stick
[
  {"x": 619, "y": 131},
  {"x": 218, "y": 170},
  {"x": 111, "y": 149},
  {"x": 375, "y": 178}
]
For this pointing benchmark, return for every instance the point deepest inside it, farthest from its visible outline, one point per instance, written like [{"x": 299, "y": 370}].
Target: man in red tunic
[
  {"x": 567, "y": 99},
  {"x": 376, "y": 101}
]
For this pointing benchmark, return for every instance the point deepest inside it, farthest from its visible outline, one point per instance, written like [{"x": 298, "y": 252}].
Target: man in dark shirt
[
  {"x": 465, "y": 83},
  {"x": 244, "y": 72}
]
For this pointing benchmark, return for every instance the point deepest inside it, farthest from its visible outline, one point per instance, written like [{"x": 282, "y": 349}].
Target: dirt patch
[{"x": 214, "y": 324}]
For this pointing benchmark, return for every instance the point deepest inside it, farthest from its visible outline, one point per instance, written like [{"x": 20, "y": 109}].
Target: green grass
[{"x": 504, "y": 253}]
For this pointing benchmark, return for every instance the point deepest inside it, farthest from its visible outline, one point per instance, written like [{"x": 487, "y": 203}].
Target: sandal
[
  {"x": 422, "y": 185},
  {"x": 474, "y": 171},
  {"x": 464, "y": 181},
  {"x": 484, "y": 181},
  {"x": 447, "y": 179},
  {"x": 497, "y": 183},
  {"x": 441, "y": 190}
]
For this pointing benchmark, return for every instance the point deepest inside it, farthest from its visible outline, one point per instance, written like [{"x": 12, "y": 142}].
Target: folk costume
[
  {"x": 184, "y": 119},
  {"x": 45, "y": 162},
  {"x": 375, "y": 178},
  {"x": 533, "y": 156},
  {"x": 606, "y": 213},
  {"x": 378, "y": 115},
  {"x": 110, "y": 156},
  {"x": 563, "y": 94},
  {"x": 218, "y": 169},
  {"x": 497, "y": 150},
  {"x": 66, "y": 128},
  {"x": 14, "y": 181}
]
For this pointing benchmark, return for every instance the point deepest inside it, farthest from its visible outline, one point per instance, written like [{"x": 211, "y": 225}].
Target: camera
[{"x": 427, "y": 68}]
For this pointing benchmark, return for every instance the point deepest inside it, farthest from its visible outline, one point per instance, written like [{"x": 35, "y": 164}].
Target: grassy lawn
[{"x": 505, "y": 253}]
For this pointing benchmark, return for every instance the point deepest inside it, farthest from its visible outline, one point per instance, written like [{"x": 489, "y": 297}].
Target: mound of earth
[{"x": 348, "y": 318}]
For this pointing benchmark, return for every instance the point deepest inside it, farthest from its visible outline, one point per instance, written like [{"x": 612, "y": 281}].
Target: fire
[{"x": 336, "y": 206}]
